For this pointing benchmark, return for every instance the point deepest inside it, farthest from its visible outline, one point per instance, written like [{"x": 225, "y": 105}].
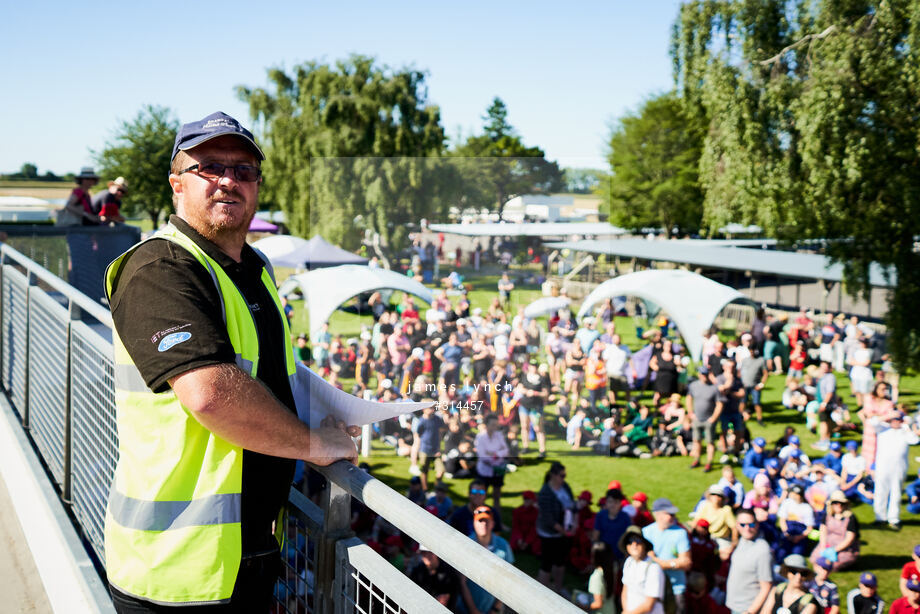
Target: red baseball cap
[
  {"x": 586, "y": 495},
  {"x": 614, "y": 484},
  {"x": 640, "y": 496},
  {"x": 529, "y": 494}
]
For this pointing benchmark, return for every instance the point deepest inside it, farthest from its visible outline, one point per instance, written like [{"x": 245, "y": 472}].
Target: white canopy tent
[
  {"x": 692, "y": 301},
  {"x": 546, "y": 305},
  {"x": 294, "y": 252},
  {"x": 324, "y": 290},
  {"x": 284, "y": 250}
]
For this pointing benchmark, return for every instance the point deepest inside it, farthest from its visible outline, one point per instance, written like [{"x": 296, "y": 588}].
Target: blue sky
[{"x": 72, "y": 71}]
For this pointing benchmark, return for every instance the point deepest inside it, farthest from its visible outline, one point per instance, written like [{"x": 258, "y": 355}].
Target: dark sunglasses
[
  {"x": 216, "y": 170},
  {"x": 747, "y": 524},
  {"x": 477, "y": 491}
]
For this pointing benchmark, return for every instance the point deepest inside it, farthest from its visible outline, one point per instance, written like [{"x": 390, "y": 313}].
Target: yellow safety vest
[{"x": 172, "y": 525}]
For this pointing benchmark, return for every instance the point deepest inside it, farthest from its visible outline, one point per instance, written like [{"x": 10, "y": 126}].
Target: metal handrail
[
  {"x": 73, "y": 295},
  {"x": 508, "y": 583}
]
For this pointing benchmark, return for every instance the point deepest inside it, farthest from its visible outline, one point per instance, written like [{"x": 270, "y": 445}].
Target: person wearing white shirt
[
  {"x": 617, "y": 357},
  {"x": 796, "y": 519},
  {"x": 853, "y": 469},
  {"x": 643, "y": 579},
  {"x": 492, "y": 449},
  {"x": 893, "y": 437}
]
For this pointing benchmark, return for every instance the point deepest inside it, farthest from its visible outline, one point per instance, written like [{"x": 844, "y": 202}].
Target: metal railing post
[
  {"x": 73, "y": 313},
  {"x": 31, "y": 280},
  {"x": 3, "y": 305},
  {"x": 336, "y": 527}
]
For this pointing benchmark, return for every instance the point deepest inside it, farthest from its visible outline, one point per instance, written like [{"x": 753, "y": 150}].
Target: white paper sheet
[{"x": 316, "y": 398}]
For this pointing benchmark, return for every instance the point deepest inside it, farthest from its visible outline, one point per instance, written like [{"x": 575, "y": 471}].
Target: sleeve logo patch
[{"x": 172, "y": 340}]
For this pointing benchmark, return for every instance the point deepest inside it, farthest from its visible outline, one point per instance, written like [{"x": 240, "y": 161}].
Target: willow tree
[
  {"x": 813, "y": 131},
  {"x": 349, "y": 146}
]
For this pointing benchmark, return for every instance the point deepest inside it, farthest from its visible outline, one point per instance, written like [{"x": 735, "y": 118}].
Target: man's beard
[{"x": 224, "y": 225}]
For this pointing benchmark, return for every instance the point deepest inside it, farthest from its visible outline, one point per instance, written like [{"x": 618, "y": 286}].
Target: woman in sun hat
[
  {"x": 79, "y": 207},
  {"x": 839, "y": 534},
  {"x": 643, "y": 578},
  {"x": 791, "y": 596}
]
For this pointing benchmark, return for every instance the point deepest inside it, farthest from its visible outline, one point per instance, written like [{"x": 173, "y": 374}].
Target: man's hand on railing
[{"x": 332, "y": 442}]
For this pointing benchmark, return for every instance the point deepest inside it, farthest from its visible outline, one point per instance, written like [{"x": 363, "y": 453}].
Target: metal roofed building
[
  {"x": 792, "y": 267},
  {"x": 530, "y": 229},
  {"x": 711, "y": 255}
]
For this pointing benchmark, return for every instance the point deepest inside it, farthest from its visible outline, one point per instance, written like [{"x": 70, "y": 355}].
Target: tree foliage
[
  {"x": 28, "y": 171},
  {"x": 496, "y": 165},
  {"x": 140, "y": 151},
  {"x": 654, "y": 160},
  {"x": 812, "y": 130},
  {"x": 582, "y": 180},
  {"x": 347, "y": 143}
]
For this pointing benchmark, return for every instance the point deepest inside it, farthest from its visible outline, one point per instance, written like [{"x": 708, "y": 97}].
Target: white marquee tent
[
  {"x": 324, "y": 290},
  {"x": 692, "y": 301},
  {"x": 546, "y": 306},
  {"x": 284, "y": 250},
  {"x": 294, "y": 252}
]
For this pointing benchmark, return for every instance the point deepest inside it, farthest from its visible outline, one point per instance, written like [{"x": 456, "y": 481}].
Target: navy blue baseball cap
[
  {"x": 868, "y": 579},
  {"x": 217, "y": 124},
  {"x": 794, "y": 440},
  {"x": 760, "y": 442},
  {"x": 835, "y": 446}
]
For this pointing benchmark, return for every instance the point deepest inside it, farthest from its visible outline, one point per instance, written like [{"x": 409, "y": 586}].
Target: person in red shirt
[
  {"x": 580, "y": 552},
  {"x": 698, "y": 599},
  {"x": 409, "y": 312},
  {"x": 524, "y": 525},
  {"x": 704, "y": 552},
  {"x": 909, "y": 603},
  {"x": 642, "y": 517},
  {"x": 910, "y": 571}
]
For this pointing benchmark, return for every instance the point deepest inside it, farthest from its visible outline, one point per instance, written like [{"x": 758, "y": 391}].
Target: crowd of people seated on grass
[{"x": 501, "y": 380}]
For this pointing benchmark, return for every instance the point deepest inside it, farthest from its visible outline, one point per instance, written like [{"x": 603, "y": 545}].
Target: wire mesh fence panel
[
  {"x": 48, "y": 379},
  {"x": 369, "y": 584},
  {"x": 94, "y": 446},
  {"x": 294, "y": 591},
  {"x": 15, "y": 336}
]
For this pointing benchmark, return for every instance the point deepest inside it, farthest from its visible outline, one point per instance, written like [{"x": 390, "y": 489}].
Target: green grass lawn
[{"x": 883, "y": 551}]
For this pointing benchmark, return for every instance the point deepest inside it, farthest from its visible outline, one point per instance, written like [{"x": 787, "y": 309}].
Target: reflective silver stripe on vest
[
  {"x": 145, "y": 515},
  {"x": 245, "y": 365},
  {"x": 128, "y": 379}
]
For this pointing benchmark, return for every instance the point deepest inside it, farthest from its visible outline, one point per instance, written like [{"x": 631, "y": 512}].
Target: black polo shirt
[{"x": 161, "y": 289}]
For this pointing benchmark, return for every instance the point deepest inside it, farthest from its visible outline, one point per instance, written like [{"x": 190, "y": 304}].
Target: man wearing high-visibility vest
[{"x": 207, "y": 426}]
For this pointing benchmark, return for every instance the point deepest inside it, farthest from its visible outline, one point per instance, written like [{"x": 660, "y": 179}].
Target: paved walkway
[{"x": 20, "y": 585}]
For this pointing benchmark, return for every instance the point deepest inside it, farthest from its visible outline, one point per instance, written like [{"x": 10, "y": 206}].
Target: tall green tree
[
  {"x": 496, "y": 165},
  {"x": 140, "y": 151},
  {"x": 28, "y": 171},
  {"x": 348, "y": 146},
  {"x": 654, "y": 162},
  {"x": 812, "y": 130}
]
